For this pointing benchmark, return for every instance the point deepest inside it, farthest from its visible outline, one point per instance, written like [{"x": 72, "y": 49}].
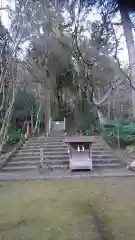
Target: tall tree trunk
[
  {"x": 37, "y": 119},
  {"x": 127, "y": 27},
  {"x": 47, "y": 111}
]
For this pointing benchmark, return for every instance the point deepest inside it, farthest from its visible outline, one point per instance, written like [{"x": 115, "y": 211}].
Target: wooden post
[
  {"x": 118, "y": 135},
  {"x": 109, "y": 105},
  {"x": 92, "y": 131},
  {"x": 32, "y": 126},
  {"x": 65, "y": 125},
  {"x": 27, "y": 130},
  {"x": 41, "y": 157},
  {"x": 114, "y": 109},
  {"x": 47, "y": 112},
  {"x": 50, "y": 124}
]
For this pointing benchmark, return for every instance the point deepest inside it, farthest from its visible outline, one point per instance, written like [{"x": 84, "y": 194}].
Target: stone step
[
  {"x": 27, "y": 153},
  {"x": 45, "y": 149},
  {"x": 18, "y": 168},
  {"x": 95, "y": 165},
  {"x": 106, "y": 165},
  {"x": 102, "y": 152},
  {"x": 100, "y": 147},
  {"x": 55, "y": 160},
  {"x": 61, "y": 166},
  {"x": 95, "y": 161},
  {"x": 103, "y": 155},
  {"x": 46, "y": 140},
  {"x": 51, "y": 157},
  {"x": 23, "y": 163},
  {"x": 36, "y": 163},
  {"x": 59, "y": 151},
  {"x": 61, "y": 146},
  {"x": 44, "y": 137},
  {"x": 105, "y": 159},
  {"x": 26, "y": 150},
  {"x": 32, "y": 157},
  {"x": 44, "y": 145},
  {"x": 59, "y": 138},
  {"x": 57, "y": 156},
  {"x": 107, "y": 155},
  {"x": 25, "y": 158},
  {"x": 32, "y": 153},
  {"x": 24, "y": 167},
  {"x": 66, "y": 161},
  {"x": 109, "y": 160},
  {"x": 56, "y": 135},
  {"x": 55, "y": 145}
]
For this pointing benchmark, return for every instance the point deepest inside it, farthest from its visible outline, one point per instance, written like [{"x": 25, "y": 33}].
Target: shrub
[
  {"x": 14, "y": 136},
  {"x": 126, "y": 131}
]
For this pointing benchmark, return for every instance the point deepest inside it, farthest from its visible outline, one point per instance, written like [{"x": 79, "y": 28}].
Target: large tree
[
  {"x": 11, "y": 76},
  {"x": 62, "y": 59},
  {"x": 109, "y": 9}
]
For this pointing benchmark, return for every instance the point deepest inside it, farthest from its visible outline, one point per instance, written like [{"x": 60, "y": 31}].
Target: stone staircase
[
  {"x": 28, "y": 157},
  {"x": 103, "y": 156},
  {"x": 56, "y": 154}
]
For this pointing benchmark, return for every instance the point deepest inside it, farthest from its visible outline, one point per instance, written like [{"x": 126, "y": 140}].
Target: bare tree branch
[{"x": 117, "y": 59}]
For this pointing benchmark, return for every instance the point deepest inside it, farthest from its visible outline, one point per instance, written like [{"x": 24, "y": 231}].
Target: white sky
[
  {"x": 4, "y": 14},
  {"x": 123, "y": 54}
]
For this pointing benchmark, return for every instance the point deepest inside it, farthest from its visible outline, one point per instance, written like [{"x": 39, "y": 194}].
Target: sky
[
  {"x": 123, "y": 55},
  {"x": 4, "y": 14}
]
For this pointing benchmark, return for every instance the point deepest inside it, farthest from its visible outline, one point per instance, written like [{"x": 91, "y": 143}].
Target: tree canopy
[{"x": 65, "y": 60}]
